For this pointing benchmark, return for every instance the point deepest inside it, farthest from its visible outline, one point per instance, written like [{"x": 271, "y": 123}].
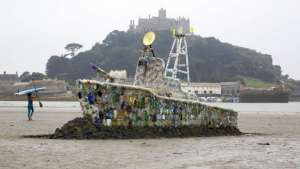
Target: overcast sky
[{"x": 33, "y": 30}]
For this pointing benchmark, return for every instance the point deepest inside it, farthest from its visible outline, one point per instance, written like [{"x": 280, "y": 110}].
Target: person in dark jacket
[{"x": 30, "y": 106}]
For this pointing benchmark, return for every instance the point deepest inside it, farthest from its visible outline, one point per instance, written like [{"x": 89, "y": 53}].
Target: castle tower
[
  {"x": 131, "y": 25},
  {"x": 162, "y": 13}
]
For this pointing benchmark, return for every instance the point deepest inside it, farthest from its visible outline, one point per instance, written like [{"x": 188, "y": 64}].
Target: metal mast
[{"x": 178, "y": 61}]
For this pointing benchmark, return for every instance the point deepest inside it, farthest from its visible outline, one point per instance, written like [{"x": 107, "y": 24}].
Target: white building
[{"x": 203, "y": 89}]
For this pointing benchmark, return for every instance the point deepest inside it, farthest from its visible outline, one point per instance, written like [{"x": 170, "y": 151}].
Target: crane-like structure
[{"x": 177, "y": 67}]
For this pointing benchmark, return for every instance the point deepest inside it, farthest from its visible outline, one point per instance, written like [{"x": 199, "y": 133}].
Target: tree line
[{"x": 210, "y": 59}]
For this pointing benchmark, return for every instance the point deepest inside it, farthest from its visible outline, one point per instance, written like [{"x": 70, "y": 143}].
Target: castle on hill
[{"x": 160, "y": 22}]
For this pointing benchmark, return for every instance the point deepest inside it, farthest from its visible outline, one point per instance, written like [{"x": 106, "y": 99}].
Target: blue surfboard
[{"x": 32, "y": 90}]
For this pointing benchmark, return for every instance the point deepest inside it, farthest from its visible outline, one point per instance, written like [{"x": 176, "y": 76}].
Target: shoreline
[
  {"x": 42, "y": 97},
  {"x": 73, "y": 98}
]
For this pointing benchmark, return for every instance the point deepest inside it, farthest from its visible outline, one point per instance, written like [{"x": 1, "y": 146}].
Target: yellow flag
[
  {"x": 191, "y": 29},
  {"x": 173, "y": 32}
]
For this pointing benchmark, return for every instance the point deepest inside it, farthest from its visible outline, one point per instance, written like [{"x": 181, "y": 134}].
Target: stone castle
[{"x": 161, "y": 22}]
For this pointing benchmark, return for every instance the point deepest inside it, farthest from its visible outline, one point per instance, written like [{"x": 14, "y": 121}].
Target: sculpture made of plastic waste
[{"x": 152, "y": 100}]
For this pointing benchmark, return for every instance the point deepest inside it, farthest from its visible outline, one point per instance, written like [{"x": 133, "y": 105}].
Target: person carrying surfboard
[
  {"x": 30, "y": 97},
  {"x": 30, "y": 106}
]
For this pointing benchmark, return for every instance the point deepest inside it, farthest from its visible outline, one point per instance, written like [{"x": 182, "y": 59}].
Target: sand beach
[{"x": 273, "y": 142}]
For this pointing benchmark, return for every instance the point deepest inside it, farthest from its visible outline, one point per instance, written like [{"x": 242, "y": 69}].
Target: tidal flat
[{"x": 273, "y": 141}]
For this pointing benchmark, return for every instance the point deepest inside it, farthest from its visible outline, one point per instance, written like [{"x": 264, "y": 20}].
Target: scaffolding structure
[{"x": 177, "y": 67}]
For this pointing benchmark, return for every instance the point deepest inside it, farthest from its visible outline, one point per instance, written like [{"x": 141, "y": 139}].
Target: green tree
[
  {"x": 27, "y": 76},
  {"x": 73, "y": 48},
  {"x": 57, "y": 66},
  {"x": 38, "y": 76},
  {"x": 210, "y": 59}
]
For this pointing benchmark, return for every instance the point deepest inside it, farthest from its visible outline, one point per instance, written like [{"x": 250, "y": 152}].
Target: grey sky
[{"x": 33, "y": 30}]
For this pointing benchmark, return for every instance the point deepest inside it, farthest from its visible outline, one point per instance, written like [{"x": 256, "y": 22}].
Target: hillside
[{"x": 210, "y": 59}]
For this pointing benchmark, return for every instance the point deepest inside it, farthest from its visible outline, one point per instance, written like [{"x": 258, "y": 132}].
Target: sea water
[{"x": 291, "y": 107}]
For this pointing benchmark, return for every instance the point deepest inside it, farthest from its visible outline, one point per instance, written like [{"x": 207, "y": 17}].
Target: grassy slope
[{"x": 256, "y": 83}]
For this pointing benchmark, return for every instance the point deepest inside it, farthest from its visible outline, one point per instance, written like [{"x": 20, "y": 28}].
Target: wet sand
[{"x": 280, "y": 130}]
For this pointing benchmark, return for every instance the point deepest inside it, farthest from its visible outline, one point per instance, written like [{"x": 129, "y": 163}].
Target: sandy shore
[
  {"x": 43, "y": 98},
  {"x": 281, "y": 130}
]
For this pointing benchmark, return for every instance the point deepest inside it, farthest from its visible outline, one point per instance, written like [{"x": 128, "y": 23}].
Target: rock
[
  {"x": 267, "y": 143},
  {"x": 84, "y": 128}
]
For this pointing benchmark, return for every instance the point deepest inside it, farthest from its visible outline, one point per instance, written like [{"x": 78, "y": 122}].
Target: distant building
[
  {"x": 161, "y": 22},
  {"x": 203, "y": 89},
  {"x": 230, "y": 88},
  {"x": 9, "y": 78}
]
